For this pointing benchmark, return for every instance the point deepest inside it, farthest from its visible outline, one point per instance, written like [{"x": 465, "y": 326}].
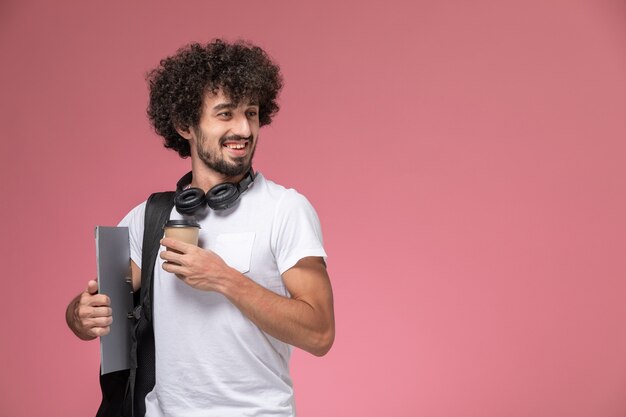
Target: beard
[{"x": 239, "y": 166}]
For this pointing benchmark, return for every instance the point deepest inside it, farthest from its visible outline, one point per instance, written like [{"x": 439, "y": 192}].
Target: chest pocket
[{"x": 235, "y": 249}]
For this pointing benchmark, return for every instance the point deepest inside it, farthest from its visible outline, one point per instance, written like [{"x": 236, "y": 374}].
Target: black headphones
[{"x": 220, "y": 197}]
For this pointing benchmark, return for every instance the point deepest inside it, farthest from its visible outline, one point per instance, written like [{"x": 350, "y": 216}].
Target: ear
[{"x": 185, "y": 133}]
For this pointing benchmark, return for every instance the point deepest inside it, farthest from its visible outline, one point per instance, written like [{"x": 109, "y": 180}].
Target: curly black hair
[{"x": 178, "y": 85}]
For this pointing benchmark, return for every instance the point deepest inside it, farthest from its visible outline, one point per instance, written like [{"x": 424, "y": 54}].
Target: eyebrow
[
  {"x": 230, "y": 105},
  {"x": 223, "y": 106}
]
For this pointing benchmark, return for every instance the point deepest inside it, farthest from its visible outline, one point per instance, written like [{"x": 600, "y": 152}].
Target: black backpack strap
[
  {"x": 142, "y": 376},
  {"x": 158, "y": 209}
]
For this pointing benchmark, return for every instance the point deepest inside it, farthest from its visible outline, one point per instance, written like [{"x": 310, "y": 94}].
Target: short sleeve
[
  {"x": 134, "y": 220},
  {"x": 296, "y": 231}
]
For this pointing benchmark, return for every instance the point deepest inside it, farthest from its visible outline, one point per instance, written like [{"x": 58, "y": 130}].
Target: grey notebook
[{"x": 113, "y": 260}]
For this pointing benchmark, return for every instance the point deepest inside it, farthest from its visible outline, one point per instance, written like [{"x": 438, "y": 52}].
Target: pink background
[{"x": 467, "y": 160}]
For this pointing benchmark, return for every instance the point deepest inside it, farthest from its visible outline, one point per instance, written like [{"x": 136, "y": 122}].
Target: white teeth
[{"x": 236, "y": 145}]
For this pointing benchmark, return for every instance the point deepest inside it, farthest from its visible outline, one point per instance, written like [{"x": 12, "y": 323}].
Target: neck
[{"x": 206, "y": 178}]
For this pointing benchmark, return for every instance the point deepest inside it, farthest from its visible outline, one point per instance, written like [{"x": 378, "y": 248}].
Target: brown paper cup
[{"x": 184, "y": 230}]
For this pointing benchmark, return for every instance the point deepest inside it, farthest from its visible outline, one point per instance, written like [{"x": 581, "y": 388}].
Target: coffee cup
[{"x": 184, "y": 230}]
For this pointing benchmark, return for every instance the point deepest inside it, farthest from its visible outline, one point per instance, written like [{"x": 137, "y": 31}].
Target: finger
[
  {"x": 98, "y": 300},
  {"x": 173, "y": 268},
  {"x": 101, "y": 312},
  {"x": 176, "y": 244},
  {"x": 97, "y": 322},
  {"x": 102, "y": 321},
  {"x": 87, "y": 314},
  {"x": 170, "y": 256},
  {"x": 92, "y": 287},
  {"x": 100, "y": 331}
]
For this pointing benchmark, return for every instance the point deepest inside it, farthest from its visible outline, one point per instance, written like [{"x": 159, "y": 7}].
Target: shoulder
[
  {"x": 284, "y": 198},
  {"x": 292, "y": 210},
  {"x": 134, "y": 215}
]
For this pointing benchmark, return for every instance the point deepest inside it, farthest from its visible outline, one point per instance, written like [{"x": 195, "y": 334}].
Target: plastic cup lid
[{"x": 182, "y": 223}]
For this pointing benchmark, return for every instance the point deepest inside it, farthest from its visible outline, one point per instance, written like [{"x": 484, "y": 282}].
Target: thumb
[{"x": 92, "y": 287}]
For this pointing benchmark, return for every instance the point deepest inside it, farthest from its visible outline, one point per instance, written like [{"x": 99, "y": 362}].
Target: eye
[
  {"x": 224, "y": 115},
  {"x": 252, "y": 113}
]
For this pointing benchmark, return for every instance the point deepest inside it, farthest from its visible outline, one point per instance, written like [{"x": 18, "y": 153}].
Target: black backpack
[{"x": 124, "y": 392}]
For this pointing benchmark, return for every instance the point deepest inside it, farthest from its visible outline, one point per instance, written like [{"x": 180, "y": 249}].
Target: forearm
[
  {"x": 291, "y": 320},
  {"x": 305, "y": 320}
]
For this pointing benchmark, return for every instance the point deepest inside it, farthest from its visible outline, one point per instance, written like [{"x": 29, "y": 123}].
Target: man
[{"x": 227, "y": 311}]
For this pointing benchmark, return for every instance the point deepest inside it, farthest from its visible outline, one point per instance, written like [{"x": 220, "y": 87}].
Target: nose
[{"x": 241, "y": 127}]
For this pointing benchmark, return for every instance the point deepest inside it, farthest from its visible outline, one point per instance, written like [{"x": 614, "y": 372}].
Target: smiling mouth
[{"x": 236, "y": 145}]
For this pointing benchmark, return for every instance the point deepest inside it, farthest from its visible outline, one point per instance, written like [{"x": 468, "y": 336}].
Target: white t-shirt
[{"x": 210, "y": 359}]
